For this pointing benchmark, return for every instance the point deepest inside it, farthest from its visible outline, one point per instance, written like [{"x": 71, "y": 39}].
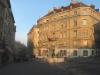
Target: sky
[{"x": 27, "y": 12}]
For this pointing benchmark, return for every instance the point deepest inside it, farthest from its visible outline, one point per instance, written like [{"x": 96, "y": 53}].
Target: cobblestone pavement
[{"x": 42, "y": 68}]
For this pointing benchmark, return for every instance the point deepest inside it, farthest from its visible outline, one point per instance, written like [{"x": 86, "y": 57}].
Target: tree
[{"x": 21, "y": 52}]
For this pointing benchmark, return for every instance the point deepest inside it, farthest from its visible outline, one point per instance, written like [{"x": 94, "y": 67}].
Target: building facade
[
  {"x": 7, "y": 32},
  {"x": 33, "y": 38},
  {"x": 97, "y": 37},
  {"x": 68, "y": 31}
]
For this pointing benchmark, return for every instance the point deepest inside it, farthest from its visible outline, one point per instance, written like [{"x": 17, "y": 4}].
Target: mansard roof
[
  {"x": 9, "y": 4},
  {"x": 71, "y": 6}
]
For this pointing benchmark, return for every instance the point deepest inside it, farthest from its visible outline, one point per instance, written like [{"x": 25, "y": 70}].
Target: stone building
[
  {"x": 33, "y": 38},
  {"x": 7, "y": 32},
  {"x": 97, "y": 37},
  {"x": 68, "y": 31}
]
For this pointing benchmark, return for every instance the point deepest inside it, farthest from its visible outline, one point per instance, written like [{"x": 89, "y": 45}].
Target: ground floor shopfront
[
  {"x": 64, "y": 53},
  {"x": 6, "y": 56}
]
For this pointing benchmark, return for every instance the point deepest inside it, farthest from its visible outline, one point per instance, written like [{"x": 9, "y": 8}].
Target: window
[
  {"x": 62, "y": 53},
  {"x": 84, "y": 34},
  {"x": 1, "y": 10},
  {"x": 85, "y": 42},
  {"x": 54, "y": 18},
  {"x": 93, "y": 52},
  {"x": 45, "y": 20},
  {"x": 45, "y": 52},
  {"x": 75, "y": 53},
  {"x": 75, "y": 33},
  {"x": 61, "y": 16},
  {"x": 61, "y": 25},
  {"x": 75, "y": 22},
  {"x": 84, "y": 22},
  {"x": 39, "y": 52},
  {"x": 84, "y": 12},
  {"x": 1, "y": 24},
  {"x": 85, "y": 53},
  {"x": 75, "y": 43},
  {"x": 52, "y": 52},
  {"x": 75, "y": 12}
]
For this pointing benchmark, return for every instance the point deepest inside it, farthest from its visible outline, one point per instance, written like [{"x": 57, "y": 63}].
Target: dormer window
[
  {"x": 61, "y": 16},
  {"x": 46, "y": 20}
]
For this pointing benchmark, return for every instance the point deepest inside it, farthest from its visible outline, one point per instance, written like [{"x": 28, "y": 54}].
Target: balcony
[{"x": 52, "y": 38}]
